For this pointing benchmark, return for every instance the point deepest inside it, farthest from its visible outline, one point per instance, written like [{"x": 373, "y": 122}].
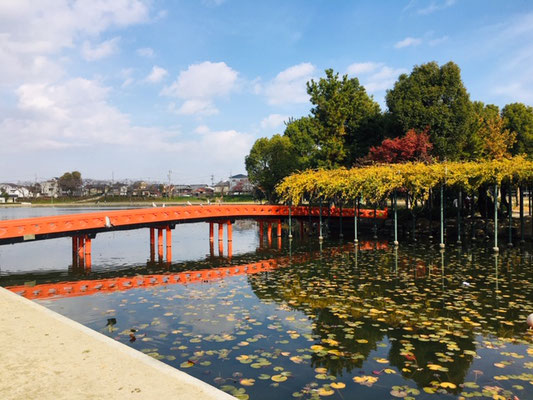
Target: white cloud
[
  {"x": 362, "y": 68},
  {"x": 375, "y": 76},
  {"x": 146, "y": 52},
  {"x": 195, "y": 107},
  {"x": 101, "y": 50},
  {"x": 273, "y": 121},
  {"x": 436, "y": 5},
  {"x": 75, "y": 113},
  {"x": 200, "y": 84},
  {"x": 437, "y": 41},
  {"x": 156, "y": 75},
  {"x": 408, "y": 41},
  {"x": 31, "y": 34},
  {"x": 289, "y": 86}
]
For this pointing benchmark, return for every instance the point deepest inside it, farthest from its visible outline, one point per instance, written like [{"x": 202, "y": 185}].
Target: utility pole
[
  {"x": 169, "y": 178},
  {"x": 212, "y": 180}
]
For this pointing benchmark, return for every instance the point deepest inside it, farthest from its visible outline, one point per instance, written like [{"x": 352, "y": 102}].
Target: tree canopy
[
  {"x": 269, "y": 161},
  {"x": 342, "y": 110},
  {"x": 378, "y": 182},
  {"x": 70, "y": 181},
  {"x": 518, "y": 118},
  {"x": 434, "y": 97},
  {"x": 430, "y": 118}
]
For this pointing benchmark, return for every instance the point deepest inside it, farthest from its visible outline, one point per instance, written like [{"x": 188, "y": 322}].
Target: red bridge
[{"x": 84, "y": 227}]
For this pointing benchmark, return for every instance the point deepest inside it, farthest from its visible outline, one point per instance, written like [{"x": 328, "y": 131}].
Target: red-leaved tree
[{"x": 411, "y": 147}]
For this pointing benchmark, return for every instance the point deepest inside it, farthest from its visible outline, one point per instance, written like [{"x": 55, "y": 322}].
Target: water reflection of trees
[{"x": 430, "y": 315}]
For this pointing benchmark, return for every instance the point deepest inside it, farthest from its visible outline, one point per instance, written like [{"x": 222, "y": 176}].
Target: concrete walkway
[{"x": 44, "y": 355}]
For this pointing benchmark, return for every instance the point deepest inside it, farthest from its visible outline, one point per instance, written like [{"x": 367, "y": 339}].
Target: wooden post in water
[
  {"x": 510, "y": 212},
  {"x": 341, "y": 235},
  {"x": 290, "y": 221},
  {"x": 442, "y": 245},
  {"x": 472, "y": 215},
  {"x": 320, "y": 237},
  {"x": 495, "y": 248},
  {"x": 521, "y": 188},
  {"x": 375, "y": 222},
  {"x": 355, "y": 210},
  {"x": 459, "y": 209},
  {"x": 395, "y": 205}
]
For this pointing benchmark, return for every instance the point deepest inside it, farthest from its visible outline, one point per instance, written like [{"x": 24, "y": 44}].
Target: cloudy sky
[{"x": 135, "y": 88}]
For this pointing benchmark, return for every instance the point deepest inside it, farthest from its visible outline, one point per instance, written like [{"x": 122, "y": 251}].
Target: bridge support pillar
[
  {"x": 269, "y": 233},
  {"x": 211, "y": 232},
  {"x": 152, "y": 244},
  {"x": 230, "y": 231},
  {"x": 160, "y": 243},
  {"x": 278, "y": 233},
  {"x": 261, "y": 233},
  {"x": 88, "y": 247},
  {"x": 169, "y": 244},
  {"x": 220, "y": 231},
  {"x": 220, "y": 248}
]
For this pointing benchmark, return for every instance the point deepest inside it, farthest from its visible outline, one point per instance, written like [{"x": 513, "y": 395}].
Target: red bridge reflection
[{"x": 90, "y": 287}]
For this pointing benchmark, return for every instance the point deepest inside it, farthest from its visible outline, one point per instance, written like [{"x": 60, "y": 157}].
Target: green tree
[
  {"x": 302, "y": 133},
  {"x": 518, "y": 117},
  {"x": 434, "y": 97},
  {"x": 70, "y": 181},
  {"x": 269, "y": 161},
  {"x": 344, "y": 114}
]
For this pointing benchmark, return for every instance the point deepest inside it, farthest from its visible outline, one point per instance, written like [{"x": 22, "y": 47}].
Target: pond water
[{"x": 322, "y": 321}]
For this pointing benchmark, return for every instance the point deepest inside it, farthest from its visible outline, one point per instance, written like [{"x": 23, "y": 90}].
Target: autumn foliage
[{"x": 411, "y": 147}]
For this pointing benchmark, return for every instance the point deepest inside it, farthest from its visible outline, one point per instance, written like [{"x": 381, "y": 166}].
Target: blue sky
[{"x": 133, "y": 88}]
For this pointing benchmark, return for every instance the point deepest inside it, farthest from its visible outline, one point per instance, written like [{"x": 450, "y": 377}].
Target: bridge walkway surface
[{"x": 47, "y": 356}]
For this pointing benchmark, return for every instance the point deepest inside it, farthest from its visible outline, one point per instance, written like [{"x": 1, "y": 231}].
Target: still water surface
[{"x": 328, "y": 321}]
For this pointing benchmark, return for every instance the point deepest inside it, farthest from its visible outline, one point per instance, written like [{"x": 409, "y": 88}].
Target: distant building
[
  {"x": 222, "y": 188},
  {"x": 239, "y": 184},
  {"x": 50, "y": 188},
  {"x": 14, "y": 192}
]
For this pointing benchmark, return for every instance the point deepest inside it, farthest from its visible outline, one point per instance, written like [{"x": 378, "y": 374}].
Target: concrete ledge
[{"x": 44, "y": 355}]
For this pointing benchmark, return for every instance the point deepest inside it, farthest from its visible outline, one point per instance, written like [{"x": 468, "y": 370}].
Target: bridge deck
[{"x": 68, "y": 225}]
